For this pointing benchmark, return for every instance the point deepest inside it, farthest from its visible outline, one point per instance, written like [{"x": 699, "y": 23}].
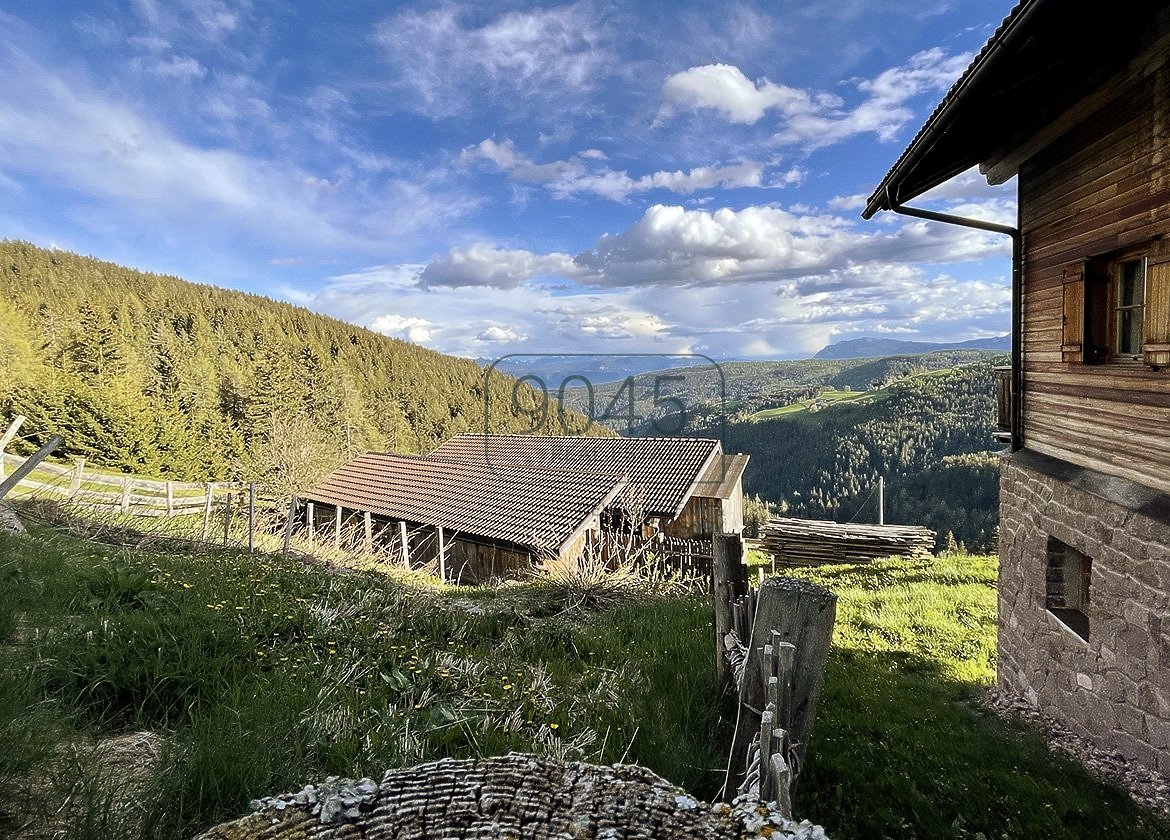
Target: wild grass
[
  {"x": 256, "y": 674},
  {"x": 904, "y": 748},
  {"x": 260, "y": 673}
]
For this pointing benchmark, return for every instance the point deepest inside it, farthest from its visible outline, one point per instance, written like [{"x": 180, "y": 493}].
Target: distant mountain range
[{"x": 872, "y": 348}]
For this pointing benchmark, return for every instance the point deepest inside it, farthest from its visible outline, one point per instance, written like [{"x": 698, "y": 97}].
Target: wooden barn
[
  {"x": 1073, "y": 98},
  {"x": 483, "y": 507}
]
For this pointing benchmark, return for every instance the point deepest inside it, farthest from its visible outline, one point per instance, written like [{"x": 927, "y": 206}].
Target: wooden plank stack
[{"x": 805, "y": 542}]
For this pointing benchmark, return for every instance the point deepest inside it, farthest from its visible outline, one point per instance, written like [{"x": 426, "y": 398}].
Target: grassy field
[
  {"x": 841, "y": 397},
  {"x": 259, "y": 674}
]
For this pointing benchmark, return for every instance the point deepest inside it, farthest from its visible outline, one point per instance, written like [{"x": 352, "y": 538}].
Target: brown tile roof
[
  {"x": 662, "y": 471},
  {"x": 720, "y": 479},
  {"x": 519, "y": 505}
]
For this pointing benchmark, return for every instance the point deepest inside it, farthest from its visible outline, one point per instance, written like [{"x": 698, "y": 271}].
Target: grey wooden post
[
  {"x": 207, "y": 512},
  {"x": 288, "y": 524},
  {"x": 442, "y": 556},
  {"x": 75, "y": 476},
  {"x": 170, "y": 498},
  {"x": 29, "y": 465},
  {"x": 337, "y": 526},
  {"x": 7, "y": 437},
  {"x": 124, "y": 505},
  {"x": 368, "y": 523},
  {"x": 251, "y": 517},
  {"x": 310, "y": 525},
  {"x": 405, "y": 545}
]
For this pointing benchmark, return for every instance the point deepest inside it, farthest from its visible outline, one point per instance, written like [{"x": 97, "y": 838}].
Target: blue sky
[{"x": 491, "y": 178}]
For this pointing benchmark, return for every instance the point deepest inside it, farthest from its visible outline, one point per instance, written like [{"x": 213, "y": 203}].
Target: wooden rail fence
[{"x": 123, "y": 494}]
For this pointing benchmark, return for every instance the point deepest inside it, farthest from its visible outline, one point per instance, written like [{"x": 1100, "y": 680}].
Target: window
[
  {"x": 1128, "y": 295},
  {"x": 1117, "y": 308},
  {"x": 1066, "y": 588}
]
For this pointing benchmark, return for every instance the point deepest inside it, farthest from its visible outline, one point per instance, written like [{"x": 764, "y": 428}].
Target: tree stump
[{"x": 514, "y": 796}]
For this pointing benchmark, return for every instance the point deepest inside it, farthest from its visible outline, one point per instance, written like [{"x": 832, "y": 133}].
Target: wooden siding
[
  {"x": 1102, "y": 187},
  {"x": 699, "y": 519}
]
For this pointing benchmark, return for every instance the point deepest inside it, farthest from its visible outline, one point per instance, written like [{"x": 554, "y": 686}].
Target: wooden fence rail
[{"x": 124, "y": 494}]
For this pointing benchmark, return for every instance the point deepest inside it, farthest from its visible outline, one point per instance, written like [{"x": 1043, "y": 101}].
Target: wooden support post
[
  {"x": 170, "y": 489},
  {"x": 310, "y": 526},
  {"x": 288, "y": 524},
  {"x": 721, "y": 591},
  {"x": 124, "y": 503},
  {"x": 368, "y": 522},
  {"x": 405, "y": 545},
  {"x": 802, "y": 614},
  {"x": 337, "y": 526},
  {"x": 227, "y": 518},
  {"x": 251, "y": 517},
  {"x": 29, "y": 465},
  {"x": 7, "y": 437},
  {"x": 75, "y": 476},
  {"x": 207, "y": 512},
  {"x": 442, "y": 556}
]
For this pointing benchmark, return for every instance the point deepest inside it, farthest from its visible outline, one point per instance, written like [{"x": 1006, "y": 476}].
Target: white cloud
[
  {"x": 808, "y": 118},
  {"x": 444, "y": 60},
  {"x": 418, "y": 330},
  {"x": 579, "y": 175},
  {"x": 496, "y": 334},
  {"x": 484, "y": 265},
  {"x": 61, "y": 126},
  {"x": 184, "y": 69},
  {"x": 726, "y": 90},
  {"x": 672, "y": 246}
]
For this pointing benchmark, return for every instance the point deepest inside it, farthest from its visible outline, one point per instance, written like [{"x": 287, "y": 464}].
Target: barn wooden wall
[{"x": 1104, "y": 186}]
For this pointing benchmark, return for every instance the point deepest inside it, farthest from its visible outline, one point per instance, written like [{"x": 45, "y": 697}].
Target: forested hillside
[
  {"x": 152, "y": 374},
  {"x": 929, "y": 436}
]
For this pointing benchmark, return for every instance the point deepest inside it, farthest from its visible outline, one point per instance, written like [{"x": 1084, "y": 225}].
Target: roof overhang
[{"x": 1038, "y": 72}]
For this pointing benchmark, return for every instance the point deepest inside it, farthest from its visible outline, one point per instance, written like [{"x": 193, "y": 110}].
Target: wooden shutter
[
  {"x": 1073, "y": 335},
  {"x": 1156, "y": 319}
]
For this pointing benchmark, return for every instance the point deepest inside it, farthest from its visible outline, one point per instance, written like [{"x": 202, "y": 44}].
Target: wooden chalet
[
  {"x": 1073, "y": 98},
  {"x": 483, "y": 507}
]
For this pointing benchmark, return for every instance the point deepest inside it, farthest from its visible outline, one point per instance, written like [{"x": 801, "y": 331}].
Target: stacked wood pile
[
  {"x": 804, "y": 542},
  {"x": 517, "y": 796}
]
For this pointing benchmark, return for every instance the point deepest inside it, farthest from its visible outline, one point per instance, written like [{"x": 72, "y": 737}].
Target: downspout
[{"x": 1017, "y": 298}]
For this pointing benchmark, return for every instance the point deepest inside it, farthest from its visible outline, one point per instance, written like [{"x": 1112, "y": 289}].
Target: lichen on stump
[{"x": 514, "y": 796}]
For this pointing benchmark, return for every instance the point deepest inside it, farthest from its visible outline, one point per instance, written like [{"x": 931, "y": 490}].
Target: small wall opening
[{"x": 1067, "y": 581}]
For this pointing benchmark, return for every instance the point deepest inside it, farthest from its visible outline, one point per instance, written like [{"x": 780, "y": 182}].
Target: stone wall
[{"x": 1113, "y": 688}]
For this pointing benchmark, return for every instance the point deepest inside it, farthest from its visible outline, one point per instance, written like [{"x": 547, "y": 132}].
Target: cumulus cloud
[
  {"x": 442, "y": 58},
  {"x": 418, "y": 330},
  {"x": 496, "y": 334},
  {"x": 484, "y": 265},
  {"x": 724, "y": 89},
  {"x": 675, "y": 246},
  {"x": 807, "y": 118}
]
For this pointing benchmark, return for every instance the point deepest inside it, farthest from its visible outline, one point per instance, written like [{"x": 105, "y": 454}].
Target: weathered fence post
[
  {"x": 170, "y": 491},
  {"x": 207, "y": 512},
  {"x": 288, "y": 523},
  {"x": 75, "y": 476},
  {"x": 800, "y": 613},
  {"x": 124, "y": 503},
  {"x": 337, "y": 526},
  {"x": 227, "y": 518},
  {"x": 29, "y": 465},
  {"x": 726, "y": 558},
  {"x": 310, "y": 525},
  {"x": 368, "y": 523},
  {"x": 405, "y": 545},
  {"x": 251, "y": 517},
  {"x": 442, "y": 556},
  {"x": 7, "y": 437}
]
